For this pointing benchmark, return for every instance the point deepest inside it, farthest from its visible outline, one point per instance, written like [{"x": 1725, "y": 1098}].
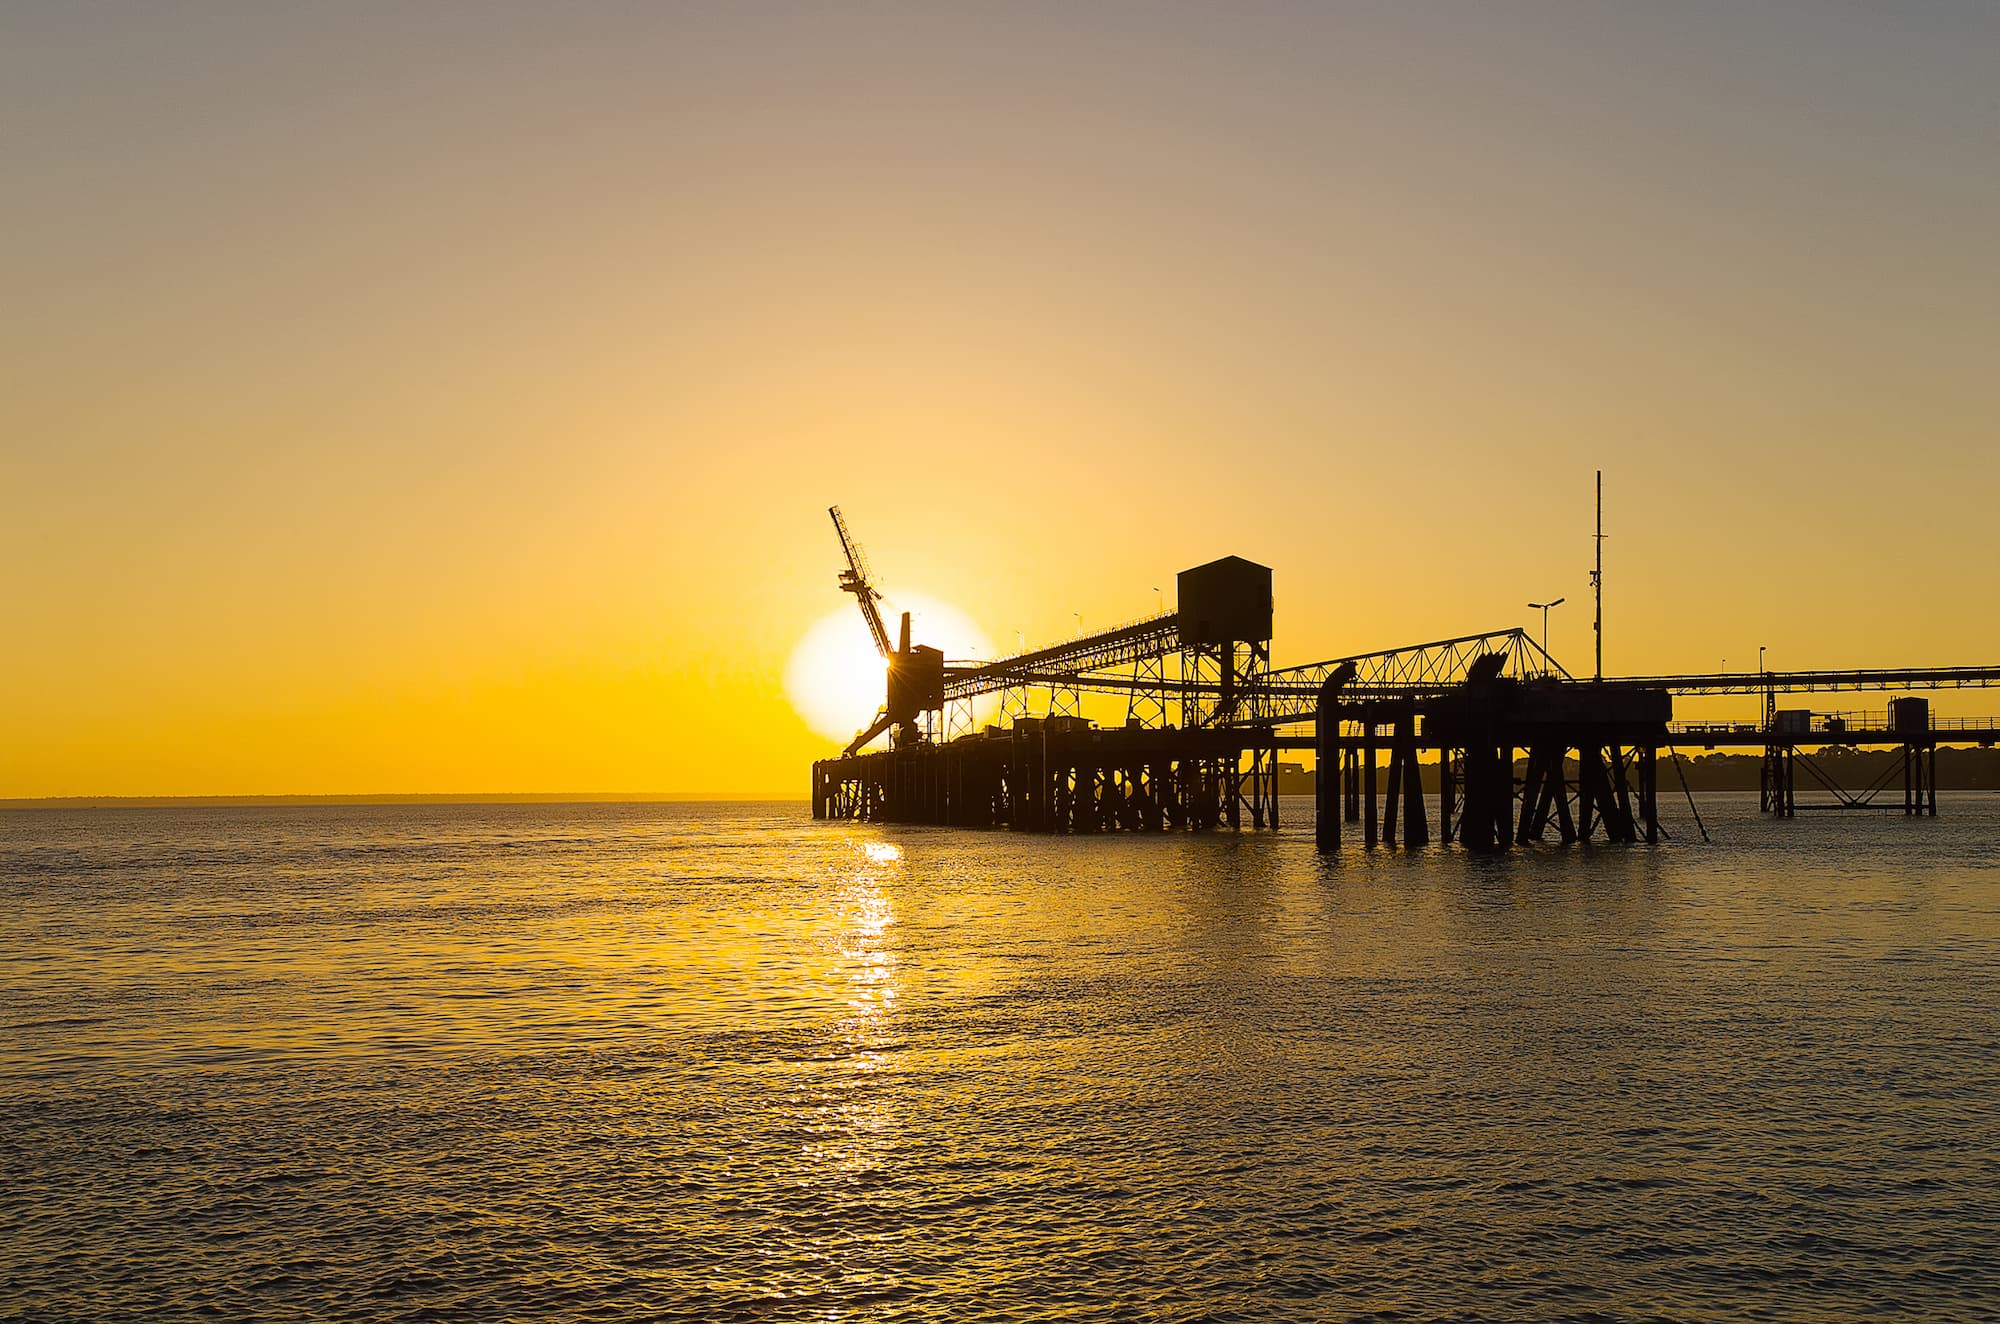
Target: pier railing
[
  {"x": 1833, "y": 726},
  {"x": 1792, "y": 682}
]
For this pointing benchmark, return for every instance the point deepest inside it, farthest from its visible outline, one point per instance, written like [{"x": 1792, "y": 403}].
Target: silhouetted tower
[
  {"x": 1225, "y": 635},
  {"x": 916, "y": 673}
]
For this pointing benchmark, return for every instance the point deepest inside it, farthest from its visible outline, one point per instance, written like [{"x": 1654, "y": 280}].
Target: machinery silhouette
[
  {"x": 916, "y": 674},
  {"x": 1206, "y": 715}
]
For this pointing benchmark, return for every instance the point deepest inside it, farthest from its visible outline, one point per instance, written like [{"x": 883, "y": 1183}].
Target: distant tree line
[
  {"x": 1852, "y": 768},
  {"x": 1957, "y": 769}
]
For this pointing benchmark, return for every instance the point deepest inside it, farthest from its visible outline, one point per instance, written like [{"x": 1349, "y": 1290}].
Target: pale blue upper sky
[{"x": 397, "y": 328}]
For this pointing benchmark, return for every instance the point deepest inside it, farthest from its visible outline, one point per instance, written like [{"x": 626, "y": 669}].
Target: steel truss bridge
[
  {"x": 1162, "y": 680},
  {"x": 1145, "y": 662},
  {"x": 1080, "y": 662}
]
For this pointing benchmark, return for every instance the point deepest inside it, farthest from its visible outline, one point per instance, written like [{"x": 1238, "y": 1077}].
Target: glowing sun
[{"x": 835, "y": 678}]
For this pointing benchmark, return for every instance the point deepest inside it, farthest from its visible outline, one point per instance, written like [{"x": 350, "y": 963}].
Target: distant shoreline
[
  {"x": 445, "y": 798},
  {"x": 1957, "y": 770}
]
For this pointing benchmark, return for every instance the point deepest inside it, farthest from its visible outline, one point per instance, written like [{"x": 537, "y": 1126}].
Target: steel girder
[
  {"x": 1440, "y": 664},
  {"x": 1068, "y": 663}
]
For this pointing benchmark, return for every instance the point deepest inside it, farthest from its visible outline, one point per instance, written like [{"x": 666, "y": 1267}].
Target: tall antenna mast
[{"x": 1597, "y": 578}]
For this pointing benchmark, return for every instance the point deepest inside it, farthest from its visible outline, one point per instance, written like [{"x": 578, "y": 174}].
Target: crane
[
  {"x": 854, "y": 580},
  {"x": 916, "y": 673}
]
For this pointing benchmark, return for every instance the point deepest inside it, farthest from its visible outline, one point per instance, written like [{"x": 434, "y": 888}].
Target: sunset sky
[{"x": 447, "y": 397}]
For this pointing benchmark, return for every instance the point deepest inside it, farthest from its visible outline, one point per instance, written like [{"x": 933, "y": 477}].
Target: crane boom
[{"x": 854, "y": 580}]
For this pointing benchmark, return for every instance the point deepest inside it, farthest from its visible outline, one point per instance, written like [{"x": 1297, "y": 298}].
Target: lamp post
[
  {"x": 1543, "y": 608},
  {"x": 1770, "y": 694}
]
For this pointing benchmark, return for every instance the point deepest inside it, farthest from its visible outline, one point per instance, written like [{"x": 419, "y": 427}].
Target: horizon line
[{"x": 397, "y": 798}]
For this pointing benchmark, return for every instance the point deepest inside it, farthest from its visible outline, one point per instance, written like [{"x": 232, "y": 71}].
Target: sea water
[{"x": 721, "y": 1062}]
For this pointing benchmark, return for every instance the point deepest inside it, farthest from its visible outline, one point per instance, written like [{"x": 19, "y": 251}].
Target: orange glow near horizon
[
  {"x": 836, "y": 680},
  {"x": 393, "y": 412}
]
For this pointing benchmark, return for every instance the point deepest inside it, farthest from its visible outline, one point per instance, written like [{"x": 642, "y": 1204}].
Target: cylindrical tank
[{"x": 1910, "y": 715}]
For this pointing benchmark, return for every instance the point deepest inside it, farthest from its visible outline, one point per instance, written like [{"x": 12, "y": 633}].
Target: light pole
[
  {"x": 1543, "y": 608},
  {"x": 1770, "y": 694}
]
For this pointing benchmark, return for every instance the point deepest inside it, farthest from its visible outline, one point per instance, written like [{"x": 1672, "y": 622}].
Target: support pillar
[
  {"x": 1920, "y": 780},
  {"x": 1368, "y": 774},
  {"x": 1649, "y": 791},
  {"x": 1488, "y": 792},
  {"x": 1416, "y": 824},
  {"x": 1392, "y": 791},
  {"x": 1326, "y": 770},
  {"x": 1447, "y": 792}
]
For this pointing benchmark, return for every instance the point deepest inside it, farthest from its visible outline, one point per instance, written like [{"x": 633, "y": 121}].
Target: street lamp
[
  {"x": 1543, "y": 608},
  {"x": 1770, "y": 693}
]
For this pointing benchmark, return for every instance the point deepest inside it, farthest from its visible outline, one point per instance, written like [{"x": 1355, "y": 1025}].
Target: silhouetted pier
[{"x": 1525, "y": 752}]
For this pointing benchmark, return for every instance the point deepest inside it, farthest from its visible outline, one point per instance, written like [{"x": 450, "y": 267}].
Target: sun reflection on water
[
  {"x": 859, "y": 1124},
  {"x": 867, "y": 951}
]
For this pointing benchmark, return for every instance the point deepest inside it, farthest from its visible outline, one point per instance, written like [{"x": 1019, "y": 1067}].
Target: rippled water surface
[{"x": 719, "y": 1062}]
